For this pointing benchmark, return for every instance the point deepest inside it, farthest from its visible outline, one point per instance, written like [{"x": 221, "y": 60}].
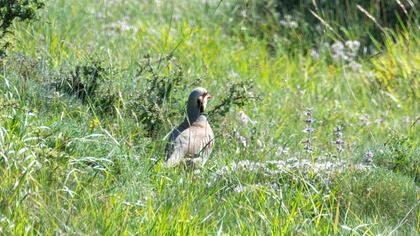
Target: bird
[{"x": 192, "y": 141}]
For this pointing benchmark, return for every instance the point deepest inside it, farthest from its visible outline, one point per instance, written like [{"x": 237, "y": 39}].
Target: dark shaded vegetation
[
  {"x": 156, "y": 102},
  {"x": 90, "y": 83},
  {"x": 11, "y": 10},
  {"x": 238, "y": 94},
  {"x": 162, "y": 80},
  {"x": 163, "y": 94}
]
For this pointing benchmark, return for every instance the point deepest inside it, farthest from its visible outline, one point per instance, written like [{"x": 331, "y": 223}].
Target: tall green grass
[{"x": 68, "y": 169}]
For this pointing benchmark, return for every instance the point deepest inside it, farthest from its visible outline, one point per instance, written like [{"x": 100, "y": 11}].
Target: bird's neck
[{"x": 194, "y": 115}]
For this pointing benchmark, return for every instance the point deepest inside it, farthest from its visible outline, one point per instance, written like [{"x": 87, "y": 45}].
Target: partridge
[{"x": 192, "y": 141}]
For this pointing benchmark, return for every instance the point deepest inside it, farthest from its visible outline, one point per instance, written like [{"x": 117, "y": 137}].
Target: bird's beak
[{"x": 209, "y": 96}]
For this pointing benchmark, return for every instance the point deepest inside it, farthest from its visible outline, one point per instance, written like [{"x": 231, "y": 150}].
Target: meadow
[{"x": 317, "y": 124}]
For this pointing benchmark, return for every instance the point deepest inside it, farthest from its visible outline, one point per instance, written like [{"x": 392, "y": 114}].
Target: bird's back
[{"x": 190, "y": 142}]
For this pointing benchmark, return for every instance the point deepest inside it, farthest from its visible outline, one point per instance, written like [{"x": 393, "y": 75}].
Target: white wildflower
[
  {"x": 314, "y": 54},
  {"x": 239, "y": 189},
  {"x": 234, "y": 74},
  {"x": 288, "y": 22},
  {"x": 242, "y": 140},
  {"x": 337, "y": 46},
  {"x": 293, "y": 24},
  {"x": 281, "y": 151},
  {"x": 177, "y": 17},
  {"x": 364, "y": 119},
  {"x": 260, "y": 144},
  {"x": 370, "y": 74},
  {"x": 339, "y": 55},
  {"x": 245, "y": 119},
  {"x": 379, "y": 121},
  {"x": 352, "y": 47},
  {"x": 355, "y": 66},
  {"x": 120, "y": 26}
]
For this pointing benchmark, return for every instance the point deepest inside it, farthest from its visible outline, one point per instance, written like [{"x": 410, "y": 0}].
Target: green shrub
[
  {"x": 154, "y": 104},
  {"x": 15, "y": 9},
  {"x": 89, "y": 82},
  {"x": 238, "y": 94}
]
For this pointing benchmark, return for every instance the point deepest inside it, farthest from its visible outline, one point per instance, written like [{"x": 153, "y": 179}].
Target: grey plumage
[{"x": 192, "y": 141}]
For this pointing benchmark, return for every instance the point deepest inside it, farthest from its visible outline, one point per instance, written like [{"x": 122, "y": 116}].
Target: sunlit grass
[{"x": 68, "y": 169}]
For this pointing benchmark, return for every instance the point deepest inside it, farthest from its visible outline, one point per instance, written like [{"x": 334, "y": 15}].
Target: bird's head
[{"x": 197, "y": 101}]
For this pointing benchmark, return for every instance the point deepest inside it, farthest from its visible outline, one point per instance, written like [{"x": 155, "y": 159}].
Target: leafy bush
[
  {"x": 154, "y": 104},
  {"x": 238, "y": 95},
  {"x": 15, "y": 9},
  {"x": 90, "y": 83},
  {"x": 163, "y": 94}
]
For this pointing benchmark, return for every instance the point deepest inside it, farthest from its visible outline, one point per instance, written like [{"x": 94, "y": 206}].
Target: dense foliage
[
  {"x": 316, "y": 127},
  {"x": 15, "y": 9}
]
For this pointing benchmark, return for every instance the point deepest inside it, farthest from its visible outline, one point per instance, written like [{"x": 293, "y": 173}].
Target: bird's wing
[
  {"x": 203, "y": 142},
  {"x": 173, "y": 135},
  {"x": 195, "y": 142},
  {"x": 176, "y": 157}
]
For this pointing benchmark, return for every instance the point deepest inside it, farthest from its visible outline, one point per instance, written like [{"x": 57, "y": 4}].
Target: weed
[
  {"x": 339, "y": 138},
  {"x": 11, "y": 10},
  {"x": 308, "y": 130},
  {"x": 89, "y": 83},
  {"x": 158, "y": 100},
  {"x": 238, "y": 94}
]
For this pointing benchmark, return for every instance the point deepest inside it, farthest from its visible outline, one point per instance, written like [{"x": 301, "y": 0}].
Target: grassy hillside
[{"x": 89, "y": 91}]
